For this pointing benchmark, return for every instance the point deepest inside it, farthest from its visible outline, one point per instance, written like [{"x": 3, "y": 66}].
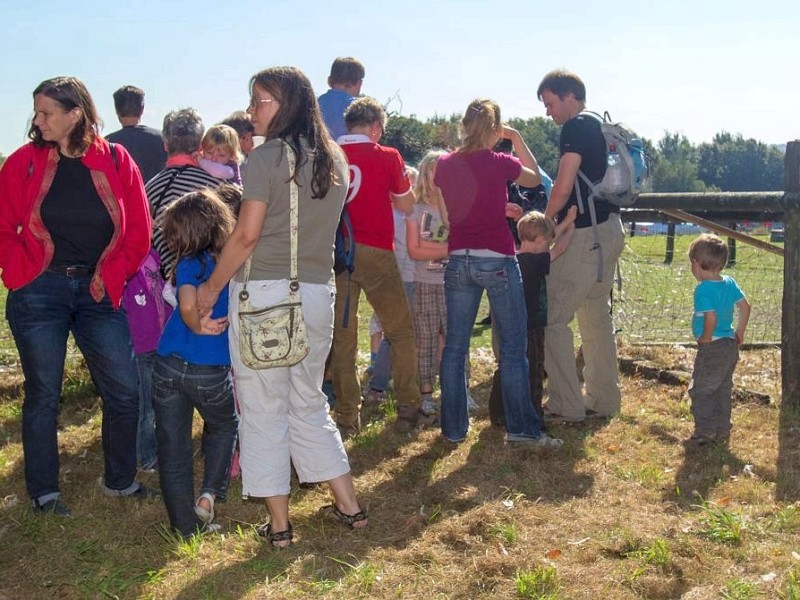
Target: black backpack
[{"x": 344, "y": 257}]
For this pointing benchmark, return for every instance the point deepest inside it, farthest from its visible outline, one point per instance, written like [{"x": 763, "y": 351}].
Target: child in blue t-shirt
[
  {"x": 717, "y": 341},
  {"x": 192, "y": 368}
]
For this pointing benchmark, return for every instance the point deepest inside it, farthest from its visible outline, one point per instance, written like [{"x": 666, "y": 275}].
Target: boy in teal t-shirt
[{"x": 718, "y": 342}]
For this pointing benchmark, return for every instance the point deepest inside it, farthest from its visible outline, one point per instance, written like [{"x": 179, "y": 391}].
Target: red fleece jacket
[{"x": 26, "y": 247}]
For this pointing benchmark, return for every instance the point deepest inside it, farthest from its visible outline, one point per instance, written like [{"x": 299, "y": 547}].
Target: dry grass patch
[{"x": 622, "y": 511}]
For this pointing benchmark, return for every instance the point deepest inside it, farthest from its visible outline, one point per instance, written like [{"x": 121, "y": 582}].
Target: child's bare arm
[
  {"x": 568, "y": 220},
  {"x": 562, "y": 241},
  {"x": 187, "y": 301},
  {"x": 420, "y": 249},
  {"x": 744, "y": 316},
  {"x": 709, "y": 324}
]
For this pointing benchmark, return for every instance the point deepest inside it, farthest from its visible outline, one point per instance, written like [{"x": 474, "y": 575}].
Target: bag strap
[
  {"x": 593, "y": 216},
  {"x": 294, "y": 283}
]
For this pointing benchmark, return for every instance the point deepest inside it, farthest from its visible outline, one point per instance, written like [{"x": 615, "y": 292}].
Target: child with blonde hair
[
  {"x": 715, "y": 298},
  {"x": 426, "y": 237},
  {"x": 221, "y": 153},
  {"x": 541, "y": 242}
]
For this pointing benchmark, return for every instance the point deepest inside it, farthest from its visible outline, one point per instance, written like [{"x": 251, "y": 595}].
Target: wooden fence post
[
  {"x": 790, "y": 319},
  {"x": 670, "y": 253}
]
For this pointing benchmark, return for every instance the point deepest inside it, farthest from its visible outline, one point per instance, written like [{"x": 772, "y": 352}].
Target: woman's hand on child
[
  {"x": 209, "y": 326},
  {"x": 206, "y": 298}
]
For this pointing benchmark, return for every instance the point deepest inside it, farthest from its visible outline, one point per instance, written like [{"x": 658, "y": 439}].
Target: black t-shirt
[
  {"x": 534, "y": 268},
  {"x": 582, "y": 135},
  {"x": 146, "y": 147},
  {"x": 75, "y": 216}
]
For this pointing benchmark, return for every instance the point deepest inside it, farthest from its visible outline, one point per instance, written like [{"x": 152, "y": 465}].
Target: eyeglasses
[{"x": 255, "y": 102}]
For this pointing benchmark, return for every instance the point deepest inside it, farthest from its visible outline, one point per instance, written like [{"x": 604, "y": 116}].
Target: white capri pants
[{"x": 283, "y": 411}]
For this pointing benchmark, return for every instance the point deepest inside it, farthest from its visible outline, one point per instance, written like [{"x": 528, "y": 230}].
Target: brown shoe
[
  {"x": 411, "y": 417},
  {"x": 348, "y": 430}
]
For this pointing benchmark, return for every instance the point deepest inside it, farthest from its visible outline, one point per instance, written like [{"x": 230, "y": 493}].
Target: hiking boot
[
  {"x": 347, "y": 431},
  {"x": 373, "y": 397},
  {"x": 410, "y": 417},
  {"x": 52, "y": 507}
]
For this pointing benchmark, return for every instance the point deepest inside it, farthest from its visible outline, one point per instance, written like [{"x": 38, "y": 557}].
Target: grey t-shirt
[
  {"x": 431, "y": 227},
  {"x": 266, "y": 179}
]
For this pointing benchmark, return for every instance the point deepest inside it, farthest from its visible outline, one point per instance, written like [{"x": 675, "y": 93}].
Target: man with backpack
[{"x": 581, "y": 279}]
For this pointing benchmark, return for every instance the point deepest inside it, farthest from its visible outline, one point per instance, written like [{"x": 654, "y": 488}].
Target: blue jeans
[
  {"x": 178, "y": 388},
  {"x": 464, "y": 281},
  {"x": 41, "y": 315},
  {"x": 146, "y": 451}
]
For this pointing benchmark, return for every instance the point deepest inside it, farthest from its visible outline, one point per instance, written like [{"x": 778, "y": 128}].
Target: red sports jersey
[{"x": 376, "y": 172}]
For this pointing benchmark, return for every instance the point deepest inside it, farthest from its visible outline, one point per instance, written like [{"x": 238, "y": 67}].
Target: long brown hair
[
  {"x": 298, "y": 116},
  {"x": 70, "y": 93},
  {"x": 196, "y": 223}
]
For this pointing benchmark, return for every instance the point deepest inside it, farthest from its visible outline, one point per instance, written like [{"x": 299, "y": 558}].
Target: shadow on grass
[
  {"x": 788, "y": 475},
  {"x": 703, "y": 468},
  {"x": 420, "y": 482}
]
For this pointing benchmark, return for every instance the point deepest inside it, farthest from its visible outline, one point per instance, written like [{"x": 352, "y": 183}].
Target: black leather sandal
[
  {"x": 348, "y": 520},
  {"x": 276, "y": 538}
]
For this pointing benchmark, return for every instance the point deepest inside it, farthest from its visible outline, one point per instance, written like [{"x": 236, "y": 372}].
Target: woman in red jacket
[{"x": 74, "y": 226}]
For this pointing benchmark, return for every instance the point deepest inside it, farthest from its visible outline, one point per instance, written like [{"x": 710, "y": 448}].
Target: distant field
[{"x": 655, "y": 304}]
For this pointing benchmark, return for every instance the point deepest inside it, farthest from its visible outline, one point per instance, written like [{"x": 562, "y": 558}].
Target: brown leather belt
[{"x": 72, "y": 270}]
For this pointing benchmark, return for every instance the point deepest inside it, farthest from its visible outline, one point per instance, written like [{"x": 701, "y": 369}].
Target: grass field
[
  {"x": 655, "y": 302},
  {"x": 622, "y": 511}
]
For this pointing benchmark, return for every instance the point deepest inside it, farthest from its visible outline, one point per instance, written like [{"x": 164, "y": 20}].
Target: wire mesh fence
[{"x": 654, "y": 302}]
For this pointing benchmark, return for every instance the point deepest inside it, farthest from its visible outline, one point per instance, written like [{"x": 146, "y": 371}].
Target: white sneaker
[
  {"x": 472, "y": 406},
  {"x": 428, "y": 406}
]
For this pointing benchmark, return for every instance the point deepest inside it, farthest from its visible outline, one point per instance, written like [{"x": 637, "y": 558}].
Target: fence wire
[{"x": 655, "y": 301}]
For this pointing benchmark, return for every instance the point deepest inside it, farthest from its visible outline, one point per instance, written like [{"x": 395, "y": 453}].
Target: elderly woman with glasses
[
  {"x": 284, "y": 416},
  {"x": 74, "y": 226}
]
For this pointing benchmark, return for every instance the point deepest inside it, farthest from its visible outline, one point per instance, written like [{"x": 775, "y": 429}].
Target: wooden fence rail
[{"x": 753, "y": 206}]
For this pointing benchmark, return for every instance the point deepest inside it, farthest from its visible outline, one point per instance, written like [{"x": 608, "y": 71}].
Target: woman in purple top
[{"x": 473, "y": 181}]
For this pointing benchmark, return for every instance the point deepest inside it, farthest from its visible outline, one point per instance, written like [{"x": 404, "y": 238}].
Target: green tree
[
  {"x": 410, "y": 136},
  {"x": 735, "y": 164},
  {"x": 542, "y": 136},
  {"x": 674, "y": 165},
  {"x": 2, "y": 159},
  {"x": 445, "y": 131}
]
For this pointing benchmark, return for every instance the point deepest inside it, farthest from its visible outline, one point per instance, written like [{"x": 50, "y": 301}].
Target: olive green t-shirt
[{"x": 266, "y": 179}]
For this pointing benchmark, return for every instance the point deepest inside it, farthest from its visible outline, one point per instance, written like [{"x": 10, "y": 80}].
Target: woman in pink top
[{"x": 473, "y": 181}]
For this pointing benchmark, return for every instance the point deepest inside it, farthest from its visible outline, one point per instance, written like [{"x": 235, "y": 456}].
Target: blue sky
[{"x": 697, "y": 67}]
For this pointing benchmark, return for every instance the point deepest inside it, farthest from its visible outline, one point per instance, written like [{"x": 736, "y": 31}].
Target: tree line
[{"x": 729, "y": 163}]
